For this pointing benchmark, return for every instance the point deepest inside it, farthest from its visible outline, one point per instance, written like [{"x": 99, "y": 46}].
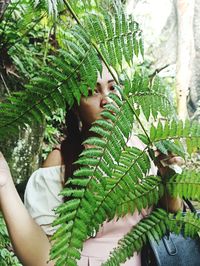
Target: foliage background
[{"x": 28, "y": 36}]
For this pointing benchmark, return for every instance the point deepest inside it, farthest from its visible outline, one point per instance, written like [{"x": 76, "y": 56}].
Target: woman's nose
[{"x": 104, "y": 100}]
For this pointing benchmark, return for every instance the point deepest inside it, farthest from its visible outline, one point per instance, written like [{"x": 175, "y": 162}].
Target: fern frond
[
  {"x": 51, "y": 6},
  {"x": 66, "y": 77},
  {"x": 188, "y": 224},
  {"x": 174, "y": 130},
  {"x": 115, "y": 36},
  {"x": 142, "y": 195},
  {"x": 185, "y": 185},
  {"x": 152, "y": 227},
  {"x": 80, "y": 7},
  {"x": 151, "y": 99},
  {"x": 175, "y": 146},
  {"x": 58, "y": 83},
  {"x": 90, "y": 181},
  {"x": 126, "y": 186}
]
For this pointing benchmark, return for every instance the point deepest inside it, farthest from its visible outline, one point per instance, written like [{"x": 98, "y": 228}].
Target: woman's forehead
[{"x": 105, "y": 76}]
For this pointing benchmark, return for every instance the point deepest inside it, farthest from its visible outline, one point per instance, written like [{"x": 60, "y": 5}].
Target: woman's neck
[{"x": 86, "y": 133}]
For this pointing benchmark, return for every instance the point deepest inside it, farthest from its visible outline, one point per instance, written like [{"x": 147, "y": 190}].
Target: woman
[{"x": 30, "y": 236}]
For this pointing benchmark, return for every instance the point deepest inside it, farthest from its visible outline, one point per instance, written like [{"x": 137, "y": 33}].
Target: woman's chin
[{"x": 98, "y": 117}]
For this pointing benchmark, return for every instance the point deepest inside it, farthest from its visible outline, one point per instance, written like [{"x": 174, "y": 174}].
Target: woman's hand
[
  {"x": 5, "y": 175},
  {"x": 167, "y": 166}
]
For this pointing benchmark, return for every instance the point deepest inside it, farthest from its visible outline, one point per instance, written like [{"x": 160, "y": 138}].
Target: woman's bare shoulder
[{"x": 53, "y": 159}]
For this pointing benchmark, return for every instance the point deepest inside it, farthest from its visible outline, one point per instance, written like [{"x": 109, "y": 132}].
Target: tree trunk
[
  {"x": 185, "y": 14},
  {"x": 23, "y": 152},
  {"x": 194, "y": 97}
]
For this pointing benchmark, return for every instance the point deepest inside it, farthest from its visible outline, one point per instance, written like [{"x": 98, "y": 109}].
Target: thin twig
[
  {"x": 157, "y": 71},
  {"x": 5, "y": 85}
]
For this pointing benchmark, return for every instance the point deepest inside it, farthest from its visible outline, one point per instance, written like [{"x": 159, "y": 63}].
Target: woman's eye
[
  {"x": 96, "y": 91},
  {"x": 112, "y": 88},
  {"x": 90, "y": 93}
]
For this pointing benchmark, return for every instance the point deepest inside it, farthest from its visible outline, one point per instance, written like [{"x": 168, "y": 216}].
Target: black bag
[{"x": 173, "y": 250}]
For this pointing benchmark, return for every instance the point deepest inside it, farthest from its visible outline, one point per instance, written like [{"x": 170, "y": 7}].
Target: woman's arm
[
  {"x": 170, "y": 203},
  {"x": 30, "y": 243},
  {"x": 54, "y": 158}
]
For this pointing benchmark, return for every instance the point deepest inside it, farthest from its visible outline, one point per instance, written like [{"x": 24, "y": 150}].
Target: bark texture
[
  {"x": 185, "y": 14},
  {"x": 24, "y": 152},
  {"x": 194, "y": 94}
]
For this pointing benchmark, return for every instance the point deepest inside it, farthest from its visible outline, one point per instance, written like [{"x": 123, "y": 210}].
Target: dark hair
[{"x": 71, "y": 146}]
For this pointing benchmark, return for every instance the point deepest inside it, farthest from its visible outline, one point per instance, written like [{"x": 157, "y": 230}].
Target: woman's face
[{"x": 90, "y": 107}]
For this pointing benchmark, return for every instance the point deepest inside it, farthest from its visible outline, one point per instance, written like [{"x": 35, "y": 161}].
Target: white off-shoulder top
[{"x": 41, "y": 196}]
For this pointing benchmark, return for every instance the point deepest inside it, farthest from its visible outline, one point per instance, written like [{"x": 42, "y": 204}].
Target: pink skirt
[
  {"x": 93, "y": 261},
  {"x": 97, "y": 250}
]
